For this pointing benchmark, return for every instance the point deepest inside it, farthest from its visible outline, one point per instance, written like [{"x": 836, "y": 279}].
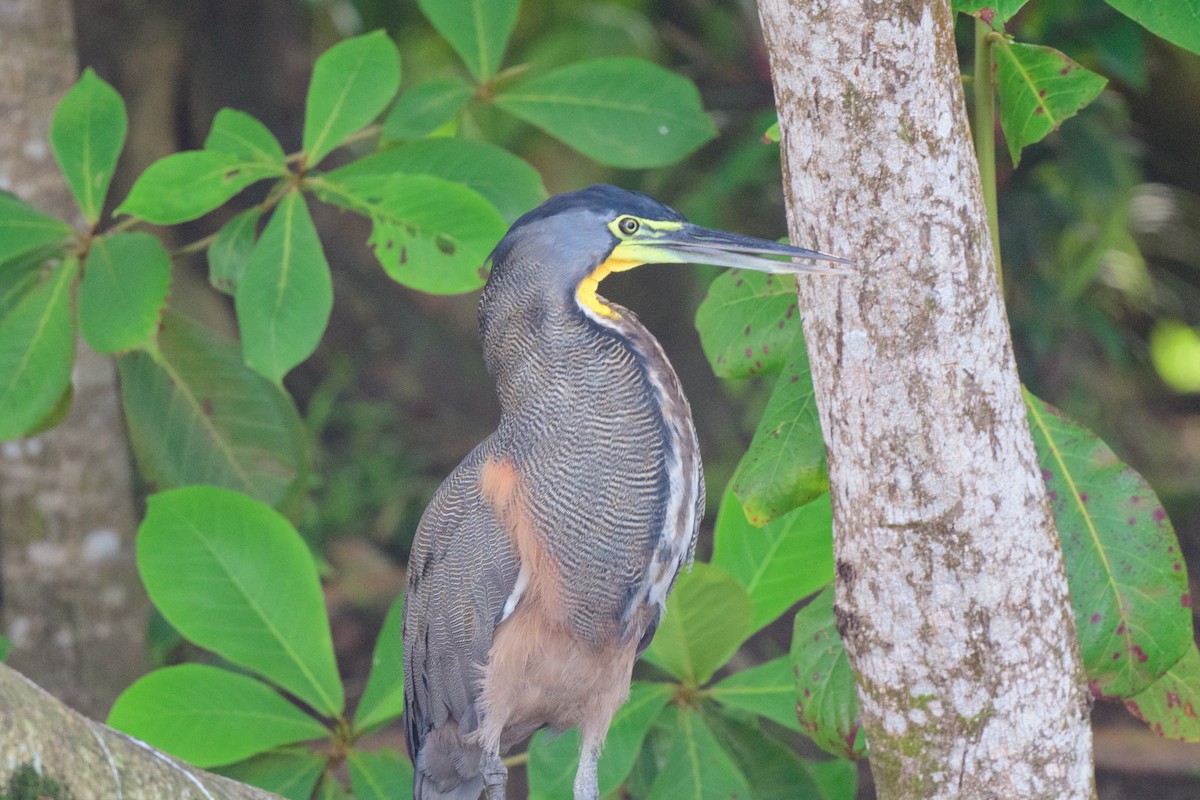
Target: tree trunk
[
  {"x": 41, "y": 737},
  {"x": 951, "y": 596},
  {"x": 70, "y": 598}
]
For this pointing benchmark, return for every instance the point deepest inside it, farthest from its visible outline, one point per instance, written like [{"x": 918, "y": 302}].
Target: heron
[{"x": 540, "y": 569}]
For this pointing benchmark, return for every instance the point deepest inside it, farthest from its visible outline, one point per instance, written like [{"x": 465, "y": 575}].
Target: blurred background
[{"x": 1100, "y": 232}]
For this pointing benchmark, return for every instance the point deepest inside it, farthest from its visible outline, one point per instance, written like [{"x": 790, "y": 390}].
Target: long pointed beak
[{"x": 693, "y": 244}]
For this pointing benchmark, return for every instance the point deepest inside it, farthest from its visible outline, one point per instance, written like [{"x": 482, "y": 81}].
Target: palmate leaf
[
  {"x": 23, "y": 229},
  {"x": 230, "y": 250},
  {"x": 382, "y": 775},
  {"x": 285, "y": 294},
  {"x": 1128, "y": 586},
  {"x": 785, "y": 465},
  {"x": 37, "y": 348},
  {"x": 86, "y": 135},
  {"x": 124, "y": 290},
  {"x": 554, "y": 760},
  {"x": 768, "y": 690},
  {"x": 244, "y": 136},
  {"x": 747, "y": 323},
  {"x": 290, "y": 772},
  {"x": 197, "y": 414},
  {"x": 184, "y": 186},
  {"x": 209, "y": 716},
  {"x": 1171, "y": 705},
  {"x": 478, "y": 30},
  {"x": 383, "y": 699},
  {"x": 706, "y": 619},
  {"x": 232, "y": 575},
  {"x": 622, "y": 112},
  {"x": 426, "y": 107},
  {"x": 1039, "y": 89},
  {"x": 695, "y": 767},
  {"x": 427, "y": 233},
  {"x": 352, "y": 82},
  {"x": 1002, "y": 10},
  {"x": 780, "y": 563},
  {"x": 825, "y": 696}
]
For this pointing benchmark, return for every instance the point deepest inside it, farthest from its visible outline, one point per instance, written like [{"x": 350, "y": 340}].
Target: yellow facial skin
[{"x": 637, "y": 247}]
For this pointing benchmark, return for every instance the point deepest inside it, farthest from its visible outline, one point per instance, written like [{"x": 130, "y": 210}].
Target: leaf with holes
[
  {"x": 209, "y": 716},
  {"x": 184, "y": 186},
  {"x": 425, "y": 108},
  {"x": 504, "y": 180},
  {"x": 383, "y": 699},
  {"x": 37, "y": 348},
  {"x": 290, "y": 772},
  {"x": 706, "y": 619},
  {"x": 352, "y": 82},
  {"x": 1039, "y": 89},
  {"x": 785, "y": 466},
  {"x": 233, "y": 576},
  {"x": 1171, "y": 705},
  {"x": 780, "y": 563},
  {"x": 197, "y": 414},
  {"x": 87, "y": 134},
  {"x": 695, "y": 766},
  {"x": 23, "y": 229},
  {"x": 553, "y": 760},
  {"x": 428, "y": 233},
  {"x": 124, "y": 290},
  {"x": 748, "y": 322},
  {"x": 1128, "y": 585},
  {"x": 285, "y": 294},
  {"x": 825, "y": 697},
  {"x": 381, "y": 775},
  {"x": 622, "y": 112},
  {"x": 478, "y": 30}
]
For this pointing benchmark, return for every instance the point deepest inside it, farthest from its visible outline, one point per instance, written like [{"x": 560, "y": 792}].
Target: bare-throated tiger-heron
[{"x": 541, "y": 566}]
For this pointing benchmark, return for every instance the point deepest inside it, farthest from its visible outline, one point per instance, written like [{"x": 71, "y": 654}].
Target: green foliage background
[{"x": 425, "y": 138}]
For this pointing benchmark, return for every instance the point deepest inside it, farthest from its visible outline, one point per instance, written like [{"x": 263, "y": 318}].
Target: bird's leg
[
  {"x": 495, "y": 775},
  {"x": 586, "y": 784}
]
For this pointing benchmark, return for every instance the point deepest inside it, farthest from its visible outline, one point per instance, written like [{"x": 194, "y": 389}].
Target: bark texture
[
  {"x": 70, "y": 599},
  {"x": 951, "y": 597},
  {"x": 90, "y": 760}
]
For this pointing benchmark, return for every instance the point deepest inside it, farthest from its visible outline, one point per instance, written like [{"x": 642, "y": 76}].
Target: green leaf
[
  {"x": 24, "y": 229},
  {"x": 772, "y": 768},
  {"x": 1039, "y": 89},
  {"x": 706, "y": 619},
  {"x": 772, "y": 135},
  {"x": 825, "y": 697},
  {"x": 286, "y": 293},
  {"x": 509, "y": 183},
  {"x": 1175, "y": 353},
  {"x": 18, "y": 278},
  {"x": 478, "y": 30},
  {"x": 747, "y": 323},
  {"x": 768, "y": 690},
  {"x": 622, "y": 112},
  {"x": 126, "y": 280},
  {"x": 553, "y": 760},
  {"x": 197, "y": 414},
  {"x": 1170, "y": 704},
  {"x": 234, "y": 576},
  {"x": 244, "y": 136},
  {"x": 780, "y": 563},
  {"x": 86, "y": 135},
  {"x": 696, "y": 766},
  {"x": 37, "y": 348},
  {"x": 1177, "y": 21},
  {"x": 184, "y": 186},
  {"x": 6, "y": 647},
  {"x": 383, "y": 699},
  {"x": 1128, "y": 585},
  {"x": 352, "y": 82},
  {"x": 785, "y": 466},
  {"x": 230, "y": 250},
  {"x": 427, "y": 233},
  {"x": 1002, "y": 10},
  {"x": 382, "y": 775},
  {"x": 290, "y": 772},
  {"x": 209, "y": 716},
  {"x": 426, "y": 107}
]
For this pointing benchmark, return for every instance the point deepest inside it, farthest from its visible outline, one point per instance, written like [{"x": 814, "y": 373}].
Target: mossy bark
[{"x": 951, "y": 596}]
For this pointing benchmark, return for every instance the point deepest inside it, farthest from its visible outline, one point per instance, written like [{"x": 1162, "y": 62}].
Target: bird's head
[{"x": 573, "y": 241}]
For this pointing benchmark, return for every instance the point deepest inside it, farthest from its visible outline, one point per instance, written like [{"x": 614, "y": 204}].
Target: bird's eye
[{"x": 628, "y": 225}]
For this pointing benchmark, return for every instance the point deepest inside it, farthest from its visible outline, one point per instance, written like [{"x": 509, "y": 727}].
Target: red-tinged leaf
[
  {"x": 748, "y": 322},
  {"x": 825, "y": 696},
  {"x": 1171, "y": 705}
]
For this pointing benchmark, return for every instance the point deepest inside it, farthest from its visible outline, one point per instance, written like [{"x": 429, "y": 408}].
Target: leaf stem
[
  {"x": 517, "y": 759},
  {"x": 985, "y": 134}
]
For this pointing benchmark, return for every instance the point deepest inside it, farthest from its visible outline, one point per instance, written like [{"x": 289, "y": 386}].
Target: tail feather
[{"x": 424, "y": 789}]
